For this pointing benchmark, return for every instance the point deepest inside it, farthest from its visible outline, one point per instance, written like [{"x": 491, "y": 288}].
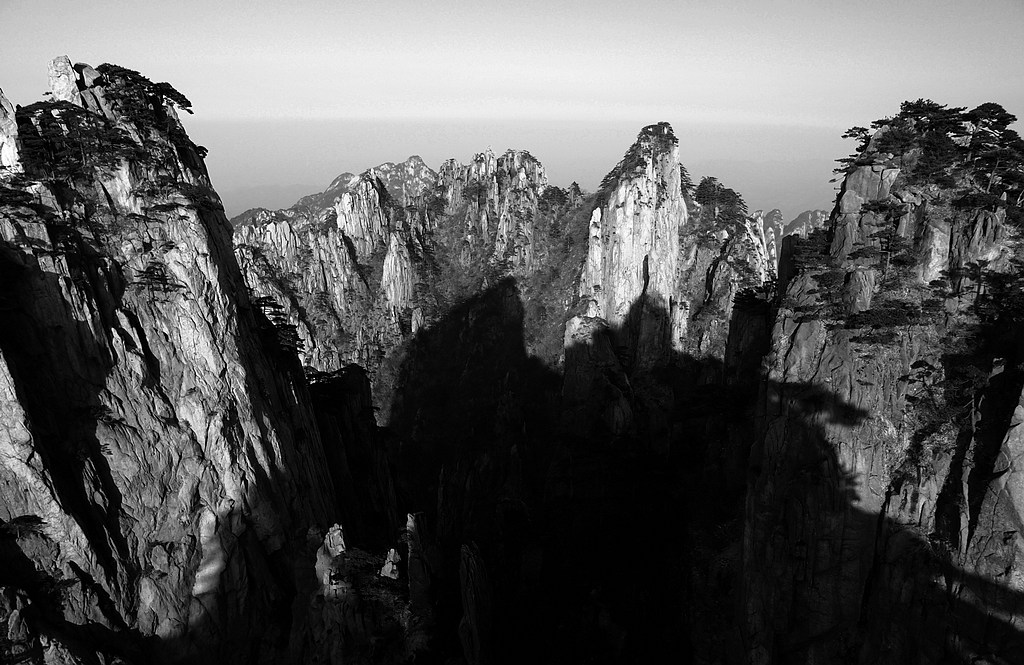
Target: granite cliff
[
  {"x": 641, "y": 277},
  {"x": 881, "y": 519},
  {"x": 468, "y": 416},
  {"x": 164, "y": 486},
  {"x": 162, "y": 473},
  {"x": 775, "y": 228}
]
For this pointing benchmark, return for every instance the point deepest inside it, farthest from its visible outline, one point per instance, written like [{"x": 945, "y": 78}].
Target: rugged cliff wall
[
  {"x": 536, "y": 425},
  {"x": 162, "y": 483},
  {"x": 506, "y": 466},
  {"x": 648, "y": 392},
  {"x": 773, "y": 225},
  {"x": 775, "y": 228},
  {"x": 357, "y": 270},
  {"x": 497, "y": 200},
  {"x": 633, "y": 249},
  {"x": 342, "y": 267},
  {"x": 882, "y": 521},
  {"x": 682, "y": 270}
]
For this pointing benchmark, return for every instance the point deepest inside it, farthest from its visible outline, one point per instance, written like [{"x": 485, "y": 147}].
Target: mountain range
[{"x": 466, "y": 416}]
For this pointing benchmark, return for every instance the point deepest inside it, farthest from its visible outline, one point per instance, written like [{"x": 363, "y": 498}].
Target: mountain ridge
[{"x": 466, "y": 415}]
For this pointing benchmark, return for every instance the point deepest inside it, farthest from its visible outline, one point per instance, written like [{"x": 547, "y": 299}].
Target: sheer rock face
[
  {"x": 344, "y": 274},
  {"x": 64, "y": 81},
  {"x": 874, "y": 482},
  {"x": 656, "y": 290},
  {"x": 732, "y": 259},
  {"x": 806, "y": 222},
  {"x": 634, "y": 251},
  {"x": 501, "y": 196},
  {"x": 8, "y": 136},
  {"x": 662, "y": 277},
  {"x": 361, "y": 216},
  {"x": 850, "y": 224},
  {"x": 773, "y": 224},
  {"x": 406, "y": 181},
  {"x": 775, "y": 229},
  {"x": 159, "y": 470}
]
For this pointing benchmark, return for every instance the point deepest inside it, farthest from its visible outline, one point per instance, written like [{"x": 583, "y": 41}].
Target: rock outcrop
[
  {"x": 881, "y": 519},
  {"x": 806, "y": 222},
  {"x": 633, "y": 246},
  {"x": 497, "y": 200},
  {"x": 775, "y": 229},
  {"x": 773, "y": 225},
  {"x": 162, "y": 472},
  {"x": 342, "y": 272},
  {"x": 601, "y": 428},
  {"x": 8, "y": 136}
]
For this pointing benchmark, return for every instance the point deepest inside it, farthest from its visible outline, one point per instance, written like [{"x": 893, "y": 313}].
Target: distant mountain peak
[{"x": 652, "y": 143}]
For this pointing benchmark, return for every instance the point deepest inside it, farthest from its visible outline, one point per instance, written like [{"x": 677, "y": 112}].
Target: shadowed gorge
[{"x": 464, "y": 415}]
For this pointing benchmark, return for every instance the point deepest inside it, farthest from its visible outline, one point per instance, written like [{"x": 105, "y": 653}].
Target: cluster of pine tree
[
  {"x": 972, "y": 152},
  {"x": 720, "y": 208}
]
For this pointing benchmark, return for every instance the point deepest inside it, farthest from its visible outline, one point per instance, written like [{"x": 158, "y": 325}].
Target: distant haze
[
  {"x": 288, "y": 95},
  {"x": 785, "y": 168}
]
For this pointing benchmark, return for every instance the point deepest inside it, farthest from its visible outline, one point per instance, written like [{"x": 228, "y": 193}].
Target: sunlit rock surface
[
  {"x": 880, "y": 516},
  {"x": 161, "y": 466},
  {"x": 469, "y": 416}
]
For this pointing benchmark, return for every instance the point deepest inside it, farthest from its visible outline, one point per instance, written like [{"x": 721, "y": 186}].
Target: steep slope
[
  {"x": 163, "y": 485},
  {"x": 882, "y": 521},
  {"x": 342, "y": 276},
  {"x": 773, "y": 225},
  {"x": 535, "y": 425},
  {"x": 633, "y": 251},
  {"x": 548, "y": 390},
  {"x": 806, "y": 222},
  {"x": 358, "y": 269},
  {"x": 775, "y": 228}
]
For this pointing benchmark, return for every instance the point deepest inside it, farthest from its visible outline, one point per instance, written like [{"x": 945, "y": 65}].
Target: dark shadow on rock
[
  {"x": 357, "y": 457},
  {"x": 829, "y": 581},
  {"x": 603, "y": 545},
  {"x": 648, "y": 505},
  {"x": 59, "y": 365},
  {"x": 58, "y": 371}
]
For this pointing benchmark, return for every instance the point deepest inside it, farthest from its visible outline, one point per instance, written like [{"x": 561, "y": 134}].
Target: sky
[{"x": 288, "y": 95}]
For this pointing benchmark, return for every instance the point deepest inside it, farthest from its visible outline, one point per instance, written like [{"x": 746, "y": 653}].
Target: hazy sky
[{"x": 288, "y": 95}]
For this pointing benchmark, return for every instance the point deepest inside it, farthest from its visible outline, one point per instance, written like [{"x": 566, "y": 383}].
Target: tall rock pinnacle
[
  {"x": 164, "y": 457},
  {"x": 633, "y": 243}
]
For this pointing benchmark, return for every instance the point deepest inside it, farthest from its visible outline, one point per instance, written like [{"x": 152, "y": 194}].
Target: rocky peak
[
  {"x": 8, "y": 135},
  {"x": 154, "y": 432},
  {"x": 405, "y": 184},
  {"x": 406, "y": 181},
  {"x": 806, "y": 222},
  {"x": 312, "y": 204},
  {"x": 772, "y": 219},
  {"x": 261, "y": 217},
  {"x": 775, "y": 229},
  {"x": 772, "y": 224},
  {"x": 654, "y": 145},
  {"x": 487, "y": 178},
  {"x": 875, "y": 312},
  {"x": 494, "y": 199},
  {"x": 634, "y": 237},
  {"x": 64, "y": 81}
]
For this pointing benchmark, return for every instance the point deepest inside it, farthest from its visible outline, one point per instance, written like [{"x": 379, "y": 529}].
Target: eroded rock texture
[
  {"x": 776, "y": 228},
  {"x": 881, "y": 520},
  {"x": 467, "y": 416},
  {"x": 163, "y": 482}
]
